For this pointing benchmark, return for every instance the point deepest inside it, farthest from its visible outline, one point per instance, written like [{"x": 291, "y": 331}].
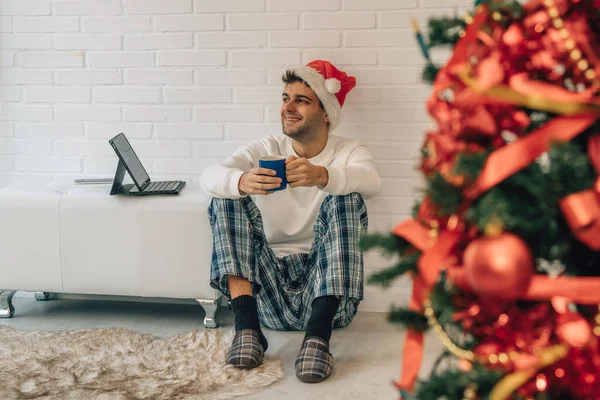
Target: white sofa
[{"x": 81, "y": 240}]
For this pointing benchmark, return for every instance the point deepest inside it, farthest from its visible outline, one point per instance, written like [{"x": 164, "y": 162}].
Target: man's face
[{"x": 301, "y": 115}]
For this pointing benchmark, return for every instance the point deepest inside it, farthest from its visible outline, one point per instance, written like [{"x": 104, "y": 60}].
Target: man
[{"x": 291, "y": 258}]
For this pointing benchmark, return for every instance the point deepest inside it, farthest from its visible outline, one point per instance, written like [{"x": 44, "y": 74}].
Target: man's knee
[
  {"x": 216, "y": 205},
  {"x": 353, "y": 199},
  {"x": 345, "y": 207},
  {"x": 220, "y": 206}
]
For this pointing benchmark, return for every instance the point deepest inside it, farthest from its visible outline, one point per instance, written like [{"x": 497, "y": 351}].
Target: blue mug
[{"x": 276, "y": 163}]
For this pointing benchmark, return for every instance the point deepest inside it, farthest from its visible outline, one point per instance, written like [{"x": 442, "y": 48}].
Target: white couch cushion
[
  {"x": 153, "y": 246},
  {"x": 176, "y": 239},
  {"x": 29, "y": 239},
  {"x": 99, "y": 237}
]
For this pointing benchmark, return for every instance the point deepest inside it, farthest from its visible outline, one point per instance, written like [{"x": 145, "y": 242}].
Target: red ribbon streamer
[
  {"x": 412, "y": 356},
  {"x": 582, "y": 212},
  {"x": 582, "y": 209},
  {"x": 508, "y": 160},
  {"x": 416, "y": 234},
  {"x": 461, "y": 50},
  {"x": 413, "y": 232},
  {"x": 430, "y": 264}
]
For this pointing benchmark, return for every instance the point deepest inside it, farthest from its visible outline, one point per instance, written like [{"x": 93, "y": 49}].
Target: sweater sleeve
[
  {"x": 222, "y": 179},
  {"x": 358, "y": 175}
]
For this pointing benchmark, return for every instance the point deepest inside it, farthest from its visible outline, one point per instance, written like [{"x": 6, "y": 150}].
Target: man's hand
[
  {"x": 258, "y": 181},
  {"x": 300, "y": 172}
]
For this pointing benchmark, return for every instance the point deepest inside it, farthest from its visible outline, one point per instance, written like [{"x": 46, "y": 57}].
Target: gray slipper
[
  {"x": 314, "y": 362},
  {"x": 246, "y": 351}
]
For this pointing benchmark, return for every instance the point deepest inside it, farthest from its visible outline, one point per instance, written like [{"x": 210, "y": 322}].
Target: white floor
[{"x": 367, "y": 353}]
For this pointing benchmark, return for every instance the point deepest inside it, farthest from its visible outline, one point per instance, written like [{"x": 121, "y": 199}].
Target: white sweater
[{"x": 289, "y": 215}]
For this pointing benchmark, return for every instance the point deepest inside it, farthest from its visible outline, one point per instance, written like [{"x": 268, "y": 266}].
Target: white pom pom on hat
[
  {"x": 329, "y": 84},
  {"x": 333, "y": 85}
]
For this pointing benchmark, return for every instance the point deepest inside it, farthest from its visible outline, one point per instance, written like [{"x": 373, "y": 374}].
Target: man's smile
[{"x": 291, "y": 118}]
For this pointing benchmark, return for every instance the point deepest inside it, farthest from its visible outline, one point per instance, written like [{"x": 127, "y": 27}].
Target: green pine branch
[
  {"x": 408, "y": 319},
  {"x": 470, "y": 165},
  {"x": 442, "y": 300},
  {"x": 513, "y": 9},
  {"x": 452, "y": 383},
  {"x": 415, "y": 209},
  {"x": 570, "y": 168},
  {"x": 384, "y": 278},
  {"x": 429, "y": 73},
  {"x": 389, "y": 244},
  {"x": 445, "y": 31},
  {"x": 443, "y": 194}
]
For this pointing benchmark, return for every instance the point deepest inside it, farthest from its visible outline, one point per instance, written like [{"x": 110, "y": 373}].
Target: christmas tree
[{"x": 504, "y": 245}]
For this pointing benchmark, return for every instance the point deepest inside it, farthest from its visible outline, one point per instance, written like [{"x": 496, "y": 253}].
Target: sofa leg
[
  {"x": 42, "y": 296},
  {"x": 6, "y": 306},
  {"x": 210, "y": 307}
]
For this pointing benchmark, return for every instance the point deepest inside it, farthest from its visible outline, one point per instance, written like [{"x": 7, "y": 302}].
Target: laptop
[{"x": 142, "y": 185}]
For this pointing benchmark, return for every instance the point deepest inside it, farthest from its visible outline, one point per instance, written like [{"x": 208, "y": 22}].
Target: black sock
[
  {"x": 245, "y": 312},
  {"x": 320, "y": 323}
]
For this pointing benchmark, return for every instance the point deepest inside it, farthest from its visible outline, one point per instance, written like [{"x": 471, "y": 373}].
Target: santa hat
[{"x": 329, "y": 84}]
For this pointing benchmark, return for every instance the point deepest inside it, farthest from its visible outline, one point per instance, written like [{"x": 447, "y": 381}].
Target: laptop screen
[{"x": 132, "y": 162}]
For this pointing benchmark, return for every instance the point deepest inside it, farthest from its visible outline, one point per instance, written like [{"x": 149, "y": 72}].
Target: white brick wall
[
  {"x": 25, "y": 41},
  {"x": 91, "y": 7},
  {"x": 157, "y": 6},
  {"x": 160, "y": 41},
  {"x": 54, "y": 59},
  {"x": 7, "y": 128},
  {"x": 191, "y": 23},
  {"x": 302, "y": 6},
  {"x": 11, "y": 93},
  {"x": 190, "y": 80},
  {"x": 192, "y": 57},
  {"x": 7, "y": 58},
  {"x": 87, "y": 42},
  {"x": 11, "y": 7},
  {"x": 120, "y": 59},
  {"x": 45, "y": 24},
  {"x": 52, "y": 94},
  {"x": 5, "y": 24},
  {"x": 108, "y": 25},
  {"x": 126, "y": 95},
  {"x": 87, "y": 76}
]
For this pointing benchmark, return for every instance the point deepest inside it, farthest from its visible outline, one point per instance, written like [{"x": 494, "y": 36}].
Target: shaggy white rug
[{"x": 121, "y": 364}]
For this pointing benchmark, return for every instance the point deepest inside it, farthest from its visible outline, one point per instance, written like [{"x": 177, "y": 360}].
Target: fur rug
[{"x": 121, "y": 364}]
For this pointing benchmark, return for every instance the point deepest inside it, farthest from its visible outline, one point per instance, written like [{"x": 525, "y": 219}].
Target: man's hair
[{"x": 289, "y": 77}]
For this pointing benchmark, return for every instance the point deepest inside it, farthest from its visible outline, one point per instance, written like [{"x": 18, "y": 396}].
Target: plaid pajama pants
[{"x": 285, "y": 287}]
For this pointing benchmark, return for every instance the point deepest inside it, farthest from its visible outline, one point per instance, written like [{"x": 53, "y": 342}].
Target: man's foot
[
  {"x": 314, "y": 362},
  {"x": 246, "y": 350}
]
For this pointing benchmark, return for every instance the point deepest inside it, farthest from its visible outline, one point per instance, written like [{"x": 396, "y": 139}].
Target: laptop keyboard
[{"x": 162, "y": 186}]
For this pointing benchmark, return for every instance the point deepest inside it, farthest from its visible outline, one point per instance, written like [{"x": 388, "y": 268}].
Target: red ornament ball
[{"x": 499, "y": 267}]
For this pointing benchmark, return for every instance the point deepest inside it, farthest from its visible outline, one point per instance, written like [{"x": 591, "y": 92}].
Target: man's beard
[
  {"x": 305, "y": 131},
  {"x": 296, "y": 133}
]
